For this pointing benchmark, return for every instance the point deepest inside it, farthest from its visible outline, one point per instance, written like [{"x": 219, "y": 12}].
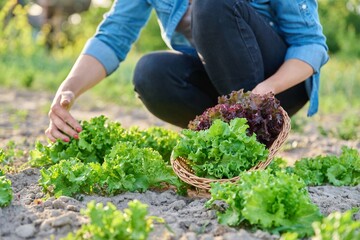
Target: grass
[
  {"x": 31, "y": 67},
  {"x": 118, "y": 87},
  {"x": 339, "y": 108},
  {"x": 339, "y": 89},
  {"x": 24, "y": 63},
  {"x": 340, "y": 85},
  {"x": 44, "y": 72}
]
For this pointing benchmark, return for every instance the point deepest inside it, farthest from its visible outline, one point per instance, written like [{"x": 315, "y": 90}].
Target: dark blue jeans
[{"x": 238, "y": 49}]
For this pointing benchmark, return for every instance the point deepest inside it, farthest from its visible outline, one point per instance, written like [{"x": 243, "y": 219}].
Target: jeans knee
[
  {"x": 204, "y": 16},
  {"x": 211, "y": 14},
  {"x": 145, "y": 70},
  {"x": 209, "y": 17}
]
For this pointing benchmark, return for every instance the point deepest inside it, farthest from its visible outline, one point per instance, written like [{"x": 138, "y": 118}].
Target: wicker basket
[{"x": 186, "y": 174}]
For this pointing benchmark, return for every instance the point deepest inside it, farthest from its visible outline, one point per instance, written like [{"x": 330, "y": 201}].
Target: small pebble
[
  {"x": 46, "y": 225},
  {"x": 39, "y": 195},
  {"x": 58, "y": 204},
  {"x": 25, "y": 231},
  {"x": 64, "y": 229},
  {"x": 31, "y": 196},
  {"x": 177, "y": 205},
  {"x": 48, "y": 204},
  {"x": 194, "y": 228},
  {"x": 65, "y": 199},
  {"x": 55, "y": 213},
  {"x": 64, "y": 220},
  {"x": 170, "y": 219},
  {"x": 73, "y": 208},
  {"x": 27, "y": 201}
]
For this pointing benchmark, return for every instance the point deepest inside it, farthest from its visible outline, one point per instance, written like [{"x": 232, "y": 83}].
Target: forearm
[
  {"x": 291, "y": 73},
  {"x": 86, "y": 72}
]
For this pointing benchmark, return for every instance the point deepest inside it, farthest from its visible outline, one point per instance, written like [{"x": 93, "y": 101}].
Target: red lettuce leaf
[{"x": 263, "y": 114}]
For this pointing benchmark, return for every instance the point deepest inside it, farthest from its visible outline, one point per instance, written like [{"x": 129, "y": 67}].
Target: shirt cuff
[
  {"x": 103, "y": 53},
  {"x": 313, "y": 54}
]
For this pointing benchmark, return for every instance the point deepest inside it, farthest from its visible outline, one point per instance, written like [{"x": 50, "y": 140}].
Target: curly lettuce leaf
[
  {"x": 157, "y": 138},
  {"x": 69, "y": 177},
  {"x": 263, "y": 113},
  {"x": 106, "y": 222},
  {"x": 95, "y": 141},
  {"x": 97, "y": 138},
  {"x": 342, "y": 170},
  {"x": 277, "y": 202},
  {"x": 126, "y": 168},
  {"x": 6, "y": 193},
  {"x": 130, "y": 168},
  {"x": 222, "y": 151}
]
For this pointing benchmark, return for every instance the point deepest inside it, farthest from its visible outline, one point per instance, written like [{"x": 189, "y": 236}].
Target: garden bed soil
[{"x": 23, "y": 119}]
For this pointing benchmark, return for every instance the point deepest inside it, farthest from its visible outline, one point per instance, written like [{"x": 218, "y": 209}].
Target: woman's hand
[
  {"x": 86, "y": 72},
  {"x": 291, "y": 73},
  {"x": 62, "y": 124},
  {"x": 263, "y": 88}
]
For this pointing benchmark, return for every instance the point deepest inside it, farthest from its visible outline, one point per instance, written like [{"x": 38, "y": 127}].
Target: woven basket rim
[{"x": 184, "y": 172}]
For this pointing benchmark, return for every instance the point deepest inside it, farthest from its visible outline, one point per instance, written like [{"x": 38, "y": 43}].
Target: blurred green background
[{"x": 39, "y": 45}]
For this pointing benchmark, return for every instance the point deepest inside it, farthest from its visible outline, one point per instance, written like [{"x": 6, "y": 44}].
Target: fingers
[
  {"x": 62, "y": 124},
  {"x": 67, "y": 98},
  {"x": 53, "y": 134},
  {"x": 60, "y": 128}
]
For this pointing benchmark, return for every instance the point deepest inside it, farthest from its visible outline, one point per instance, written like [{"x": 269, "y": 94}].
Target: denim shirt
[{"x": 297, "y": 21}]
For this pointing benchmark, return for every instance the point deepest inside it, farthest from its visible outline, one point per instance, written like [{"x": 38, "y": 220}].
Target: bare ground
[{"x": 23, "y": 119}]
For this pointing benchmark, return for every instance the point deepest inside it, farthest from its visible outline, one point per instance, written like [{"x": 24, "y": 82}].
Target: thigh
[
  {"x": 173, "y": 86},
  {"x": 271, "y": 45},
  {"x": 238, "y": 46}
]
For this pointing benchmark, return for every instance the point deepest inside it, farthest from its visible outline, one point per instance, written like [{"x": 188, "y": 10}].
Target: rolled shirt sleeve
[
  {"x": 299, "y": 25},
  {"x": 117, "y": 32},
  {"x": 313, "y": 54},
  {"x": 103, "y": 53}
]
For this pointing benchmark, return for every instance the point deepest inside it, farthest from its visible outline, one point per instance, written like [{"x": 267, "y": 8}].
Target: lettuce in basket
[
  {"x": 263, "y": 113},
  {"x": 222, "y": 151}
]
